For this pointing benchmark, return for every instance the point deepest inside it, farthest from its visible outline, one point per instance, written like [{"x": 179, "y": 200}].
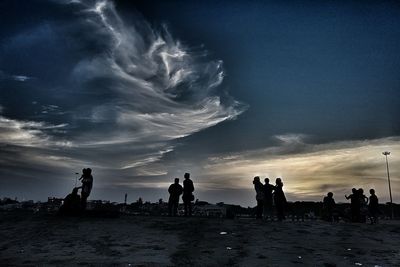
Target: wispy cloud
[
  {"x": 21, "y": 78},
  {"x": 161, "y": 90},
  {"x": 28, "y": 133},
  {"x": 18, "y": 78},
  {"x": 119, "y": 107}
]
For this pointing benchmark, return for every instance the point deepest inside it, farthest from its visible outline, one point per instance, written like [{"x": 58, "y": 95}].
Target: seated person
[{"x": 72, "y": 203}]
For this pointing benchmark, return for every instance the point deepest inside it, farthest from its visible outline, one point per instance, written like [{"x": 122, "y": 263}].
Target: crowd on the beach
[
  {"x": 271, "y": 200},
  {"x": 268, "y": 196}
]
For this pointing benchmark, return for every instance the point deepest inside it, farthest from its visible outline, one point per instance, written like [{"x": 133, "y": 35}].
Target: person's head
[
  {"x": 372, "y": 191},
  {"x": 89, "y": 171},
  {"x": 75, "y": 191},
  {"x": 84, "y": 171},
  {"x": 176, "y": 180},
  {"x": 354, "y": 191},
  {"x": 266, "y": 180},
  {"x": 256, "y": 179},
  {"x": 278, "y": 181},
  {"x": 360, "y": 191},
  {"x": 187, "y": 175},
  {"x": 330, "y": 194}
]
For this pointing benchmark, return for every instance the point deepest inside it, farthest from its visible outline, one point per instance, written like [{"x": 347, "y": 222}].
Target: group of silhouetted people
[
  {"x": 175, "y": 190},
  {"x": 362, "y": 207},
  {"x": 267, "y": 195},
  {"x": 74, "y": 203}
]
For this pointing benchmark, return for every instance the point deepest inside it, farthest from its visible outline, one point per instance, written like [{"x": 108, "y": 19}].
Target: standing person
[
  {"x": 363, "y": 200},
  {"x": 354, "y": 205},
  {"x": 280, "y": 199},
  {"x": 373, "y": 207},
  {"x": 188, "y": 197},
  {"x": 86, "y": 188},
  {"x": 328, "y": 207},
  {"x": 258, "y": 186},
  {"x": 175, "y": 190},
  {"x": 268, "y": 200}
]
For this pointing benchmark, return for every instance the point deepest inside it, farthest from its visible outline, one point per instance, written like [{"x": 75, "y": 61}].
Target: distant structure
[
  {"x": 210, "y": 210},
  {"x": 54, "y": 203},
  {"x": 386, "y": 154}
]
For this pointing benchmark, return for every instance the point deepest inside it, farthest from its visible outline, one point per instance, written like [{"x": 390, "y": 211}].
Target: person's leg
[
  {"x": 83, "y": 201},
  {"x": 185, "y": 203},
  {"x": 279, "y": 212},
  {"x": 265, "y": 209},
  {"x": 190, "y": 208},
  {"x": 374, "y": 217},
  {"x": 170, "y": 207},
  {"x": 176, "y": 204},
  {"x": 353, "y": 214},
  {"x": 259, "y": 209},
  {"x": 270, "y": 211},
  {"x": 330, "y": 216}
]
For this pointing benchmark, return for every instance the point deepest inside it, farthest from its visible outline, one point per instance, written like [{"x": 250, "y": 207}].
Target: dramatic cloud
[
  {"x": 136, "y": 90},
  {"x": 95, "y": 84},
  {"x": 159, "y": 90},
  {"x": 28, "y": 133}
]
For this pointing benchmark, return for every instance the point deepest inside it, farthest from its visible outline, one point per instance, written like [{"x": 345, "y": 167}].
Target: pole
[{"x": 390, "y": 189}]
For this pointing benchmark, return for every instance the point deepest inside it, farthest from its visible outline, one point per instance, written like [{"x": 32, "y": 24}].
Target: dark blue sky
[
  {"x": 84, "y": 83},
  {"x": 326, "y": 69}
]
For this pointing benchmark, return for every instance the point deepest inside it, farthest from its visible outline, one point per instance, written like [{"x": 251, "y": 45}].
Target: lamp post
[{"x": 386, "y": 154}]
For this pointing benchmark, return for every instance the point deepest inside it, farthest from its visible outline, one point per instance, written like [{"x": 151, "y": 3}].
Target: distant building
[
  {"x": 210, "y": 210},
  {"x": 53, "y": 203}
]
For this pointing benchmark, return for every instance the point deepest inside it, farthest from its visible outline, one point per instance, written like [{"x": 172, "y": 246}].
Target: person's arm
[{"x": 347, "y": 197}]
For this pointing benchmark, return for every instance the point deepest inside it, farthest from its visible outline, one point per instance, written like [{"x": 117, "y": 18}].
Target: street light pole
[{"x": 386, "y": 154}]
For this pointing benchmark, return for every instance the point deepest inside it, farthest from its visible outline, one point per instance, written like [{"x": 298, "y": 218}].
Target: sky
[{"x": 144, "y": 91}]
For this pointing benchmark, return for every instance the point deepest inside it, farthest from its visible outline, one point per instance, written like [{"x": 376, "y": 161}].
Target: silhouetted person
[
  {"x": 328, "y": 207},
  {"x": 268, "y": 199},
  {"x": 258, "y": 186},
  {"x": 86, "y": 188},
  {"x": 354, "y": 205},
  {"x": 373, "y": 207},
  {"x": 72, "y": 203},
  {"x": 175, "y": 190},
  {"x": 363, "y": 199},
  {"x": 280, "y": 199},
  {"x": 188, "y": 197}
]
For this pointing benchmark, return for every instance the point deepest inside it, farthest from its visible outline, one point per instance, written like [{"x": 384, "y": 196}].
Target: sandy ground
[{"x": 44, "y": 240}]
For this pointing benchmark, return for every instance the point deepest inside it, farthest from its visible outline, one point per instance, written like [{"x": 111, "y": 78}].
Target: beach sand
[{"x": 28, "y": 239}]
